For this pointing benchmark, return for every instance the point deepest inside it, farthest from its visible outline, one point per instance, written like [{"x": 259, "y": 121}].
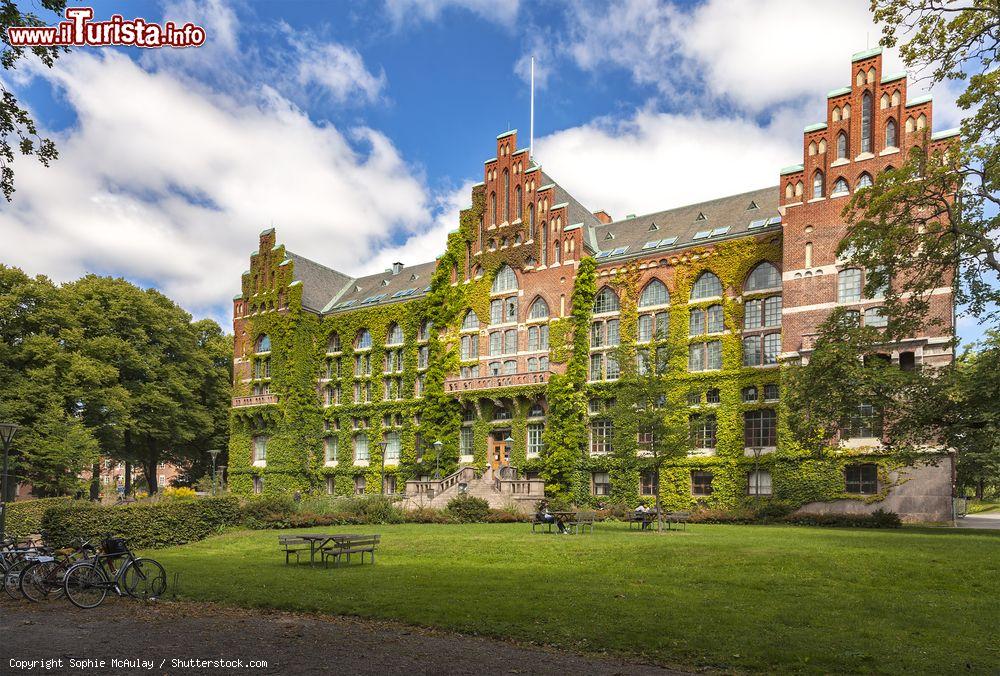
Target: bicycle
[
  {"x": 87, "y": 583},
  {"x": 44, "y": 577},
  {"x": 16, "y": 559}
]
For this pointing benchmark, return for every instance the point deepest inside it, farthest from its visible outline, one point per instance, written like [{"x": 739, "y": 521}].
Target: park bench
[
  {"x": 582, "y": 519},
  {"x": 352, "y": 544},
  {"x": 294, "y": 545},
  {"x": 678, "y": 518},
  {"x": 535, "y": 521}
]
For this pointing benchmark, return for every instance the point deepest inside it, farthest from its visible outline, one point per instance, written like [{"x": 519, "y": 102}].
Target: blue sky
[{"x": 357, "y": 128}]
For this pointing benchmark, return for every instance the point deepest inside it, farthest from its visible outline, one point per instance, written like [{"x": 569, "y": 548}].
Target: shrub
[
  {"x": 428, "y": 515},
  {"x": 179, "y": 493},
  {"x": 372, "y": 509},
  {"x": 504, "y": 516},
  {"x": 25, "y": 518},
  {"x": 157, "y": 524},
  {"x": 774, "y": 510},
  {"x": 468, "y": 508},
  {"x": 877, "y": 519},
  {"x": 257, "y": 510},
  {"x": 714, "y": 515}
]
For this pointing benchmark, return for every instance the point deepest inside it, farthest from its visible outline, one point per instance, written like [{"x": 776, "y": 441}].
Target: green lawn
[{"x": 773, "y": 598}]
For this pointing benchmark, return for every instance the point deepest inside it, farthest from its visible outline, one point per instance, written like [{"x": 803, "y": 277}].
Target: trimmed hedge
[
  {"x": 877, "y": 519},
  {"x": 25, "y": 518},
  {"x": 155, "y": 524}
]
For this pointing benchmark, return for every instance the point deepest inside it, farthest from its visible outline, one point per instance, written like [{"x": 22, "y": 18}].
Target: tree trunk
[
  {"x": 95, "y": 481},
  {"x": 128, "y": 478},
  {"x": 656, "y": 501},
  {"x": 980, "y": 489},
  {"x": 149, "y": 469}
]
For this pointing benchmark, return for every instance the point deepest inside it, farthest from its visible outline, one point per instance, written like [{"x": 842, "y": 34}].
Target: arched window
[
  {"x": 363, "y": 341},
  {"x": 866, "y": 123},
  {"x": 842, "y": 146},
  {"x": 849, "y": 285},
  {"x": 493, "y": 208},
  {"x": 425, "y": 330},
  {"x": 518, "y": 205},
  {"x": 471, "y": 321},
  {"x": 531, "y": 221},
  {"x": 539, "y": 309},
  {"x": 333, "y": 343},
  {"x": 764, "y": 276},
  {"x": 394, "y": 335},
  {"x": 864, "y": 180},
  {"x": 706, "y": 286},
  {"x": 809, "y": 254},
  {"x": 263, "y": 344},
  {"x": 506, "y": 195},
  {"x": 606, "y": 300},
  {"x": 545, "y": 244},
  {"x": 818, "y": 187},
  {"x": 505, "y": 280},
  {"x": 840, "y": 187},
  {"x": 891, "y": 134},
  {"x": 860, "y": 79},
  {"x": 910, "y": 124},
  {"x": 655, "y": 293},
  {"x": 789, "y": 191},
  {"x": 871, "y": 75}
]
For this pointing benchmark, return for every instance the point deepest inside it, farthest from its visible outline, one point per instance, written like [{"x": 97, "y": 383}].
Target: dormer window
[
  {"x": 753, "y": 205},
  {"x": 701, "y": 217},
  {"x": 608, "y": 236},
  {"x": 653, "y": 226}
]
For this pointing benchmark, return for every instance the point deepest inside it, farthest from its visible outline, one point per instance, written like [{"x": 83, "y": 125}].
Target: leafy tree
[
  {"x": 975, "y": 421},
  {"x": 16, "y": 123}
]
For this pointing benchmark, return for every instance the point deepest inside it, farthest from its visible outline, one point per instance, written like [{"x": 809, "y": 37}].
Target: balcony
[
  {"x": 459, "y": 385},
  {"x": 255, "y": 400}
]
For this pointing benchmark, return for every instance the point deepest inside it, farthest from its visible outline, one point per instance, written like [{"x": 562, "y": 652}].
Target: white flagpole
[{"x": 531, "y": 131}]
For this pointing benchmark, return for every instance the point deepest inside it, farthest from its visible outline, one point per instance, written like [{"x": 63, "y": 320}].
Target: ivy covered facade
[{"x": 516, "y": 356}]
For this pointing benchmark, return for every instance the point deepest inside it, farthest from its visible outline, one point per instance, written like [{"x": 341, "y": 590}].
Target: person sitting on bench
[{"x": 545, "y": 516}]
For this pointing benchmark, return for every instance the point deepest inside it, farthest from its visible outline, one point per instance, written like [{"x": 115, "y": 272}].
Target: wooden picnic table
[{"x": 318, "y": 541}]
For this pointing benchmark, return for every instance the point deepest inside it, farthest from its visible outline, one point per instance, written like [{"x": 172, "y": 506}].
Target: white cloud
[
  {"x": 654, "y": 161},
  {"x": 161, "y": 182},
  {"x": 401, "y": 12},
  {"x": 340, "y": 71}
]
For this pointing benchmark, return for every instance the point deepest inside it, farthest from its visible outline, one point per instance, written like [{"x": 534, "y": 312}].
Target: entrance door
[{"x": 499, "y": 453}]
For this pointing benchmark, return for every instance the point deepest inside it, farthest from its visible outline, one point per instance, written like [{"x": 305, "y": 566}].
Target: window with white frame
[
  {"x": 600, "y": 483},
  {"x": 707, "y": 285},
  {"x": 655, "y": 293},
  {"x": 260, "y": 449},
  {"x": 505, "y": 280},
  {"x": 764, "y": 276},
  {"x": 394, "y": 335},
  {"x": 329, "y": 449},
  {"x": 601, "y": 432},
  {"x": 535, "y": 445},
  {"x": 539, "y": 309},
  {"x": 606, "y": 300},
  {"x": 705, "y": 356},
  {"x": 392, "y": 448},
  {"x": 360, "y": 448},
  {"x": 759, "y": 482},
  {"x": 849, "y": 285},
  {"x": 466, "y": 441},
  {"x": 470, "y": 322}
]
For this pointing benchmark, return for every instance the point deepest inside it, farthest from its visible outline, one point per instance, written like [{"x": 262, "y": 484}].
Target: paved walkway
[
  {"x": 290, "y": 643},
  {"x": 986, "y": 520}
]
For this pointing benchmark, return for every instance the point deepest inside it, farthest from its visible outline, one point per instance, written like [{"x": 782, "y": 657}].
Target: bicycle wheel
[
  {"x": 86, "y": 585},
  {"x": 42, "y": 581},
  {"x": 144, "y": 579},
  {"x": 12, "y": 579}
]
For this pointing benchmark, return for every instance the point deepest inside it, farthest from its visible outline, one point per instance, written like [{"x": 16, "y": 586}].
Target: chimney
[
  {"x": 397, "y": 268},
  {"x": 603, "y": 216}
]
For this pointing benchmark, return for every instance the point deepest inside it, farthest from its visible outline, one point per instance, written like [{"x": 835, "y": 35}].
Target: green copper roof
[
  {"x": 546, "y": 186},
  {"x": 559, "y": 206},
  {"x": 575, "y": 226},
  {"x": 506, "y": 133},
  {"x": 267, "y": 232},
  {"x": 838, "y": 92},
  {"x": 920, "y": 99},
  {"x": 492, "y": 159},
  {"x": 893, "y": 77},
  {"x": 947, "y": 133},
  {"x": 814, "y": 127},
  {"x": 239, "y": 297},
  {"x": 534, "y": 168},
  {"x": 866, "y": 54},
  {"x": 287, "y": 261},
  {"x": 790, "y": 169}
]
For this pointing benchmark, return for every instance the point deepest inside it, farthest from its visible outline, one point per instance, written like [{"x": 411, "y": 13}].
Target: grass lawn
[{"x": 775, "y": 598}]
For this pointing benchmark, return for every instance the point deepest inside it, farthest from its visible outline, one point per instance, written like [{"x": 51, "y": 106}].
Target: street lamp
[
  {"x": 384, "y": 445},
  {"x": 7, "y": 432},
  {"x": 437, "y": 459},
  {"x": 214, "y": 453}
]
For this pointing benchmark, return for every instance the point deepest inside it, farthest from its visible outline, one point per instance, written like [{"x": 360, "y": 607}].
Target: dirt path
[{"x": 290, "y": 643}]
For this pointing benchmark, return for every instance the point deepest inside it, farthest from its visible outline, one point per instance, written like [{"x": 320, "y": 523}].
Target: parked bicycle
[
  {"x": 117, "y": 570},
  {"x": 43, "y": 579},
  {"x": 16, "y": 557}
]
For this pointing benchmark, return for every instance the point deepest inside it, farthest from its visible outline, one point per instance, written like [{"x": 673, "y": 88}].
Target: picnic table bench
[
  {"x": 645, "y": 520},
  {"x": 581, "y": 520},
  {"x": 328, "y": 545}
]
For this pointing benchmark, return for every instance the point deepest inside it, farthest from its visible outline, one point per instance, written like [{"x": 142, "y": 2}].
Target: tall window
[
  {"x": 861, "y": 479},
  {"x": 506, "y": 195},
  {"x": 601, "y": 432},
  {"x": 539, "y": 309},
  {"x": 760, "y": 428},
  {"x": 361, "y": 447},
  {"x": 891, "y": 134},
  {"x": 260, "y": 449},
  {"x": 393, "y": 447},
  {"x": 395, "y": 335},
  {"x": 606, "y": 301},
  {"x": 466, "y": 441},
  {"x": 493, "y": 208},
  {"x": 706, "y": 286},
  {"x": 762, "y": 313},
  {"x": 708, "y": 320},
  {"x": 470, "y": 322},
  {"x": 545, "y": 244},
  {"x": 759, "y": 482},
  {"x": 333, "y": 343},
  {"x": 866, "y": 123},
  {"x": 849, "y": 285},
  {"x": 505, "y": 280},
  {"x": 363, "y": 341},
  {"x": 535, "y": 445},
  {"x": 538, "y": 338},
  {"x": 818, "y": 185},
  {"x": 329, "y": 449},
  {"x": 531, "y": 221},
  {"x": 842, "y": 146},
  {"x": 703, "y": 430},
  {"x": 647, "y": 483},
  {"x": 705, "y": 356},
  {"x": 601, "y": 483},
  {"x": 764, "y": 276},
  {"x": 701, "y": 482},
  {"x": 655, "y": 293},
  {"x": 518, "y": 208}
]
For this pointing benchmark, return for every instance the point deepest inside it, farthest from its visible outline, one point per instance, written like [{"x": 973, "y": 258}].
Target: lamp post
[
  {"x": 508, "y": 445},
  {"x": 384, "y": 445},
  {"x": 437, "y": 459},
  {"x": 7, "y": 432},
  {"x": 215, "y": 454}
]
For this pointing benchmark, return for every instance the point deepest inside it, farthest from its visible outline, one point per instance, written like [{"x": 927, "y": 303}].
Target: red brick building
[{"x": 733, "y": 286}]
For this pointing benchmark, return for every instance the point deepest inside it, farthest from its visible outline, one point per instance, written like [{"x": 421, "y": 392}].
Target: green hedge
[
  {"x": 155, "y": 524},
  {"x": 25, "y": 518}
]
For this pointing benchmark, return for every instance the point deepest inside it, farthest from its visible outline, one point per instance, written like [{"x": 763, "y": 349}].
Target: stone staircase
[{"x": 520, "y": 494}]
